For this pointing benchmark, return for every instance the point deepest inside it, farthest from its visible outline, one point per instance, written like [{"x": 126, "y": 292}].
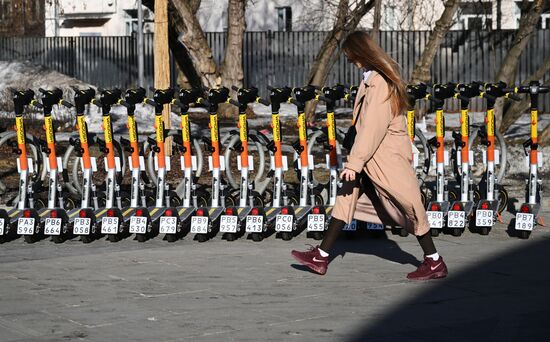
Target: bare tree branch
[{"x": 421, "y": 72}]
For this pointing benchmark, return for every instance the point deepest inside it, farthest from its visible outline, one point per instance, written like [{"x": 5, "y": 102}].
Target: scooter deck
[
  {"x": 155, "y": 213},
  {"x": 271, "y": 214},
  {"x": 467, "y": 206},
  {"x": 14, "y": 214},
  {"x": 242, "y": 213},
  {"x": 214, "y": 213},
  {"x": 185, "y": 213},
  {"x": 300, "y": 213}
]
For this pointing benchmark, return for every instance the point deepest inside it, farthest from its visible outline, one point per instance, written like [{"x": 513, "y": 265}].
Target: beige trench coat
[{"x": 383, "y": 150}]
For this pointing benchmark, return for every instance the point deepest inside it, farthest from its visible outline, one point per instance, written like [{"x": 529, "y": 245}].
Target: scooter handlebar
[
  {"x": 37, "y": 104},
  {"x": 234, "y": 103},
  {"x": 150, "y": 102},
  {"x": 323, "y": 98},
  {"x": 513, "y": 96},
  {"x": 263, "y": 101},
  {"x": 66, "y": 104},
  {"x": 235, "y": 88},
  {"x": 295, "y": 102}
]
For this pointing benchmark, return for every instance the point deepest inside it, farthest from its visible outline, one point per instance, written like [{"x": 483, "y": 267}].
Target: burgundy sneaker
[
  {"x": 312, "y": 259},
  {"x": 429, "y": 269}
]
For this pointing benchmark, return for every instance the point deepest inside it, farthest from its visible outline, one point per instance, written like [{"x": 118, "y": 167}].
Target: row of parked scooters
[{"x": 243, "y": 206}]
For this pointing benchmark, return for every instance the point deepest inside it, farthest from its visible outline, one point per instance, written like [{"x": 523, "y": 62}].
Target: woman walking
[{"x": 378, "y": 183}]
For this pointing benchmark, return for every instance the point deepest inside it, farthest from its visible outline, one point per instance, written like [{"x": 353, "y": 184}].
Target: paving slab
[{"x": 246, "y": 291}]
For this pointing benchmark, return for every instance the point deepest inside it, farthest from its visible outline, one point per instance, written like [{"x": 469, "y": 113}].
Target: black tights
[{"x": 335, "y": 226}]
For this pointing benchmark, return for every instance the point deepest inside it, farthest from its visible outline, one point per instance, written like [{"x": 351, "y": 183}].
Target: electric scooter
[
  {"x": 488, "y": 210},
  {"x": 84, "y": 223},
  {"x": 438, "y": 208},
  {"x": 258, "y": 224},
  {"x": 24, "y": 217},
  {"x": 234, "y": 219},
  {"x": 54, "y": 218},
  {"x": 144, "y": 222},
  {"x": 529, "y": 213},
  {"x": 460, "y": 214},
  {"x": 205, "y": 221},
  {"x": 111, "y": 216},
  {"x": 174, "y": 222},
  {"x": 287, "y": 224},
  {"x": 317, "y": 220}
]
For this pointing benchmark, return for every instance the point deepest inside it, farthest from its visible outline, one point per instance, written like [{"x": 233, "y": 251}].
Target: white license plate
[
  {"x": 374, "y": 226},
  {"x": 82, "y": 225},
  {"x": 435, "y": 219},
  {"x": 284, "y": 223},
  {"x": 352, "y": 227},
  {"x": 199, "y": 225},
  {"x": 168, "y": 225},
  {"x": 315, "y": 223},
  {"x": 254, "y": 224},
  {"x": 1, "y": 226},
  {"x": 52, "y": 226},
  {"x": 138, "y": 225},
  {"x": 25, "y": 226},
  {"x": 109, "y": 225},
  {"x": 525, "y": 221},
  {"x": 228, "y": 224},
  {"x": 456, "y": 219},
  {"x": 484, "y": 218}
]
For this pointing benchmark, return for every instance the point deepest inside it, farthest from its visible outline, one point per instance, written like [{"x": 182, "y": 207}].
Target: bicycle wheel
[{"x": 231, "y": 161}]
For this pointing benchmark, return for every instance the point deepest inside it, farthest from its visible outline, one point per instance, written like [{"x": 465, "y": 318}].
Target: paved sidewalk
[{"x": 498, "y": 289}]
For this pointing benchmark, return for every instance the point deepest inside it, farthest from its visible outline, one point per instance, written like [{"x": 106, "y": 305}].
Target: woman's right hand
[{"x": 348, "y": 175}]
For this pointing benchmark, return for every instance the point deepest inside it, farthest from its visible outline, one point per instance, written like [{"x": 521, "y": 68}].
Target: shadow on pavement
[
  {"x": 506, "y": 298},
  {"x": 376, "y": 244}
]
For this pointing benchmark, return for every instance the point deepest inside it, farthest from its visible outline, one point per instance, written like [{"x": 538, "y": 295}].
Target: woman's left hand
[{"x": 348, "y": 175}]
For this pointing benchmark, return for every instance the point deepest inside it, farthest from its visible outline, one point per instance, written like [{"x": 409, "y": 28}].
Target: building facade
[
  {"x": 94, "y": 18},
  {"x": 21, "y": 18}
]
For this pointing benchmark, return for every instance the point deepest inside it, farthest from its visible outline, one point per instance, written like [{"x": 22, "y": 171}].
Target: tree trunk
[
  {"x": 518, "y": 108},
  {"x": 232, "y": 65},
  {"x": 194, "y": 40},
  {"x": 377, "y": 20},
  {"x": 421, "y": 72},
  {"x": 544, "y": 137},
  {"x": 507, "y": 71},
  {"x": 345, "y": 23}
]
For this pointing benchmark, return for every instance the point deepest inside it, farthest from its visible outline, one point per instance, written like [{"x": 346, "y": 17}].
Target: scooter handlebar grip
[
  {"x": 37, "y": 104},
  {"x": 42, "y": 90},
  {"x": 234, "y": 103},
  {"x": 66, "y": 104},
  {"x": 323, "y": 98},
  {"x": 235, "y": 88},
  {"x": 264, "y": 102},
  {"x": 270, "y": 88},
  {"x": 513, "y": 96},
  {"x": 203, "y": 102},
  {"x": 489, "y": 97},
  {"x": 543, "y": 89},
  {"x": 150, "y": 102},
  {"x": 294, "y": 102}
]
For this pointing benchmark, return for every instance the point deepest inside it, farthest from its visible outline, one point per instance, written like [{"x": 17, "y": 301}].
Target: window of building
[
  {"x": 475, "y": 15},
  {"x": 284, "y": 18},
  {"x": 544, "y": 22},
  {"x": 5, "y": 10}
]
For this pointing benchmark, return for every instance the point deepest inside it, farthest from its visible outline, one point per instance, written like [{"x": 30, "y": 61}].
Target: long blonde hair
[{"x": 360, "y": 47}]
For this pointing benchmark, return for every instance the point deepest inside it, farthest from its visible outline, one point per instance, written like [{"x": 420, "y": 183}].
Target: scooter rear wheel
[
  {"x": 317, "y": 235},
  {"x": 257, "y": 237},
  {"x": 201, "y": 237},
  {"x": 58, "y": 239},
  {"x": 484, "y": 230},
  {"x": 171, "y": 237},
  {"x": 456, "y": 231},
  {"x": 434, "y": 232},
  {"x": 86, "y": 239},
  {"x": 141, "y": 237},
  {"x": 30, "y": 238},
  {"x": 286, "y": 236},
  {"x": 523, "y": 234},
  {"x": 503, "y": 200},
  {"x": 403, "y": 232}
]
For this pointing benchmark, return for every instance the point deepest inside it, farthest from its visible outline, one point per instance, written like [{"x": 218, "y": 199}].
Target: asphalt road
[{"x": 498, "y": 289}]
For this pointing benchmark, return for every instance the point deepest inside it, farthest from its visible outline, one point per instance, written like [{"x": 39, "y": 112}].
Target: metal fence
[{"x": 283, "y": 58}]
